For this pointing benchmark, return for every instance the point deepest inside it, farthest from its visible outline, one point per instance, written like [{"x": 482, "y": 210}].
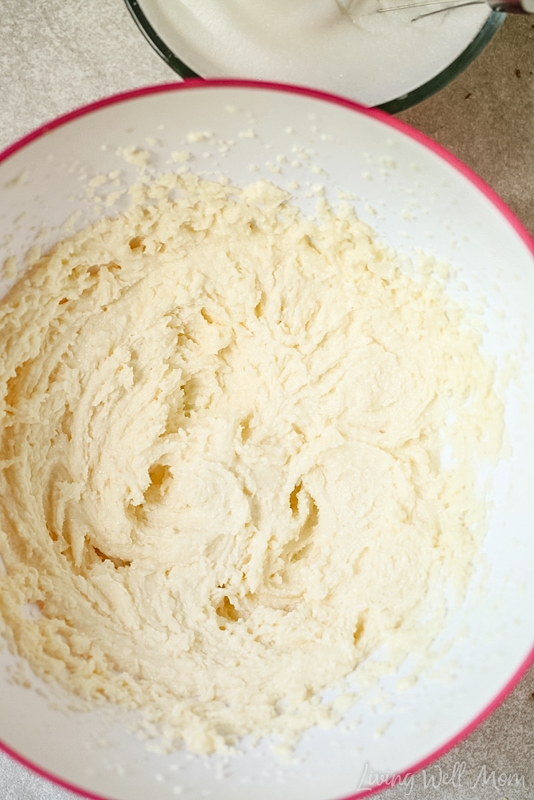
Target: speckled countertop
[{"x": 61, "y": 54}]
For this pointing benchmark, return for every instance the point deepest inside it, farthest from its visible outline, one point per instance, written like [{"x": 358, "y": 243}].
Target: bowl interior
[{"x": 415, "y": 199}]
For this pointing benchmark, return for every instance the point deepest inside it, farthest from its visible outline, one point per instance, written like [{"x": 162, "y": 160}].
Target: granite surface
[{"x": 61, "y": 54}]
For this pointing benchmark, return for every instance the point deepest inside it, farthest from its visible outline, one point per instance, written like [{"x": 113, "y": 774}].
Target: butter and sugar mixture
[{"x": 222, "y": 480}]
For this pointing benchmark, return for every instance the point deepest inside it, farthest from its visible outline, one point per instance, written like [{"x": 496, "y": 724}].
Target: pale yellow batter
[{"x": 221, "y": 481}]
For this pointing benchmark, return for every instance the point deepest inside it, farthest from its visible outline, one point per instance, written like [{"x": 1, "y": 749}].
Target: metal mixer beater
[{"x": 506, "y": 6}]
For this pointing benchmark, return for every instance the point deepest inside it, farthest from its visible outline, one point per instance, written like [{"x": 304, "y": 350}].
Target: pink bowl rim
[{"x": 426, "y": 142}]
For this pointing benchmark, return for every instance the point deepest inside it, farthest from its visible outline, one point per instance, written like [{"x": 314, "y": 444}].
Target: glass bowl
[{"x": 400, "y": 63}]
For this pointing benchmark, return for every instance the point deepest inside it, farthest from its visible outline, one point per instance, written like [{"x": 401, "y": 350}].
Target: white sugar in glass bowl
[
  {"x": 389, "y": 60},
  {"x": 415, "y": 195}
]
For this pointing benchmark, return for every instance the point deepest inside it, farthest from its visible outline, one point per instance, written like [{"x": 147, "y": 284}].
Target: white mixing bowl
[{"x": 415, "y": 195}]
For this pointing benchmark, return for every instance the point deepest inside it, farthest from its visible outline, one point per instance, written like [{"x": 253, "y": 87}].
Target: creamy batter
[{"x": 222, "y": 482}]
